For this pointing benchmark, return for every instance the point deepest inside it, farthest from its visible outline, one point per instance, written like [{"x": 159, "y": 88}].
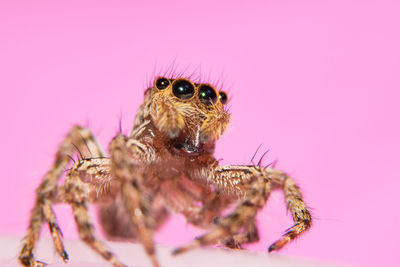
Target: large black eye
[
  {"x": 183, "y": 89},
  {"x": 223, "y": 97},
  {"x": 162, "y": 83},
  {"x": 207, "y": 95}
]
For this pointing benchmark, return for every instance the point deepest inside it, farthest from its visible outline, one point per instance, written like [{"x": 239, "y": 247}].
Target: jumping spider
[{"x": 166, "y": 164}]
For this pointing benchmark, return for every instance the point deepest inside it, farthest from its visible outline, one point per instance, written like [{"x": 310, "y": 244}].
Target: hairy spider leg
[
  {"x": 295, "y": 204},
  {"x": 89, "y": 181},
  {"x": 126, "y": 154},
  {"x": 256, "y": 183},
  {"x": 79, "y": 139}
]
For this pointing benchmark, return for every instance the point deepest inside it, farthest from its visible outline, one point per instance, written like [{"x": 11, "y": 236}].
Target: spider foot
[
  {"x": 27, "y": 258},
  {"x": 210, "y": 238},
  {"x": 118, "y": 264},
  {"x": 35, "y": 263},
  {"x": 39, "y": 264},
  {"x": 183, "y": 249},
  {"x": 232, "y": 243},
  {"x": 289, "y": 235},
  {"x": 278, "y": 244}
]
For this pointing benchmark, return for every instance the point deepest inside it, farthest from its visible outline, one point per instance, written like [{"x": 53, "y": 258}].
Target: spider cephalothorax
[
  {"x": 165, "y": 165},
  {"x": 191, "y": 115}
]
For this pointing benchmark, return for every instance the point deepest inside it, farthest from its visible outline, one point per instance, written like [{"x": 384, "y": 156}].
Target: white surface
[{"x": 134, "y": 255}]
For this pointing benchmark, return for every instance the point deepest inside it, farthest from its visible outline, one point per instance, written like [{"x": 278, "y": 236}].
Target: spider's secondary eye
[
  {"x": 223, "y": 97},
  {"x": 183, "y": 89},
  {"x": 162, "y": 83},
  {"x": 207, "y": 95}
]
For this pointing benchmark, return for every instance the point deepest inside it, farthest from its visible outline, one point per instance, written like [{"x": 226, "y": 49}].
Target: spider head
[{"x": 189, "y": 112}]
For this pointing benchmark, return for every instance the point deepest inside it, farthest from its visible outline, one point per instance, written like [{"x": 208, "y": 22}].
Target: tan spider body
[{"x": 166, "y": 164}]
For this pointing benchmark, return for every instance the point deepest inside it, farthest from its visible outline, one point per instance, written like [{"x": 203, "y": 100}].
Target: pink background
[{"x": 316, "y": 82}]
